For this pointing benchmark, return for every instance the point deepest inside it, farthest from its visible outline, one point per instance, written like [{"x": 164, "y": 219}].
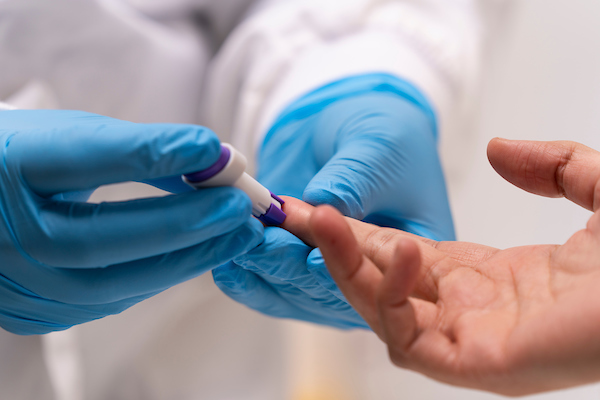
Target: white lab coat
[{"x": 232, "y": 65}]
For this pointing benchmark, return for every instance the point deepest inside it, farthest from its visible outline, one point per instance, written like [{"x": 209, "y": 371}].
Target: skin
[{"x": 516, "y": 321}]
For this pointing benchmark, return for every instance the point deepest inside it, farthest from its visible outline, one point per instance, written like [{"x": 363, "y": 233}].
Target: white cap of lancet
[{"x": 229, "y": 170}]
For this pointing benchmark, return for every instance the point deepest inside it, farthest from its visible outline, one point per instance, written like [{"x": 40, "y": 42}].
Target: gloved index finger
[{"x": 83, "y": 151}]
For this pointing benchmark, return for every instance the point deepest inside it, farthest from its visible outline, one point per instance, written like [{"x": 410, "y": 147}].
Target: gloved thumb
[
  {"x": 388, "y": 180},
  {"x": 356, "y": 176}
]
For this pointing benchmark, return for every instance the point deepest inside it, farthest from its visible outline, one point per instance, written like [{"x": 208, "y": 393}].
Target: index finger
[
  {"x": 376, "y": 243},
  {"x": 379, "y": 245}
]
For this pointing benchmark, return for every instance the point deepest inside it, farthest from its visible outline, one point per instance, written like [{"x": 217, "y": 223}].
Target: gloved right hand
[
  {"x": 67, "y": 262},
  {"x": 367, "y": 146}
]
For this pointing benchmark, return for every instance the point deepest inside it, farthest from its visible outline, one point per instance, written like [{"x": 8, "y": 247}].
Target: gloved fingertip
[
  {"x": 343, "y": 199},
  {"x": 315, "y": 259},
  {"x": 256, "y": 232}
]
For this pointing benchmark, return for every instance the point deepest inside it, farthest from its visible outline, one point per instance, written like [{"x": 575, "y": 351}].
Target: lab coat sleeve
[
  {"x": 288, "y": 48},
  {"x": 4, "y": 106},
  {"x": 102, "y": 56}
]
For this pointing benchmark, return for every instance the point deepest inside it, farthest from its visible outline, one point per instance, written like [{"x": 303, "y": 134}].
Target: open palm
[{"x": 513, "y": 321}]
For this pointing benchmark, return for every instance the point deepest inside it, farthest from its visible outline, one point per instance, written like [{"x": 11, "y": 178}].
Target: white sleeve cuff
[
  {"x": 363, "y": 53},
  {"x": 5, "y": 107}
]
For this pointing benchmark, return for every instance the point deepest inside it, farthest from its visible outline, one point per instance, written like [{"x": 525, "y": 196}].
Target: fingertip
[
  {"x": 207, "y": 141},
  {"x": 327, "y": 224},
  {"x": 334, "y": 237},
  {"x": 407, "y": 250},
  {"x": 235, "y": 199},
  {"x": 396, "y": 313},
  {"x": 501, "y": 140},
  {"x": 401, "y": 275},
  {"x": 297, "y": 220},
  {"x": 164, "y": 150},
  {"x": 496, "y": 149},
  {"x": 197, "y": 146}
]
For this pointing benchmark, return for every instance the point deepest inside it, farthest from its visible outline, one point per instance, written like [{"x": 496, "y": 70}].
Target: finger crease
[{"x": 559, "y": 175}]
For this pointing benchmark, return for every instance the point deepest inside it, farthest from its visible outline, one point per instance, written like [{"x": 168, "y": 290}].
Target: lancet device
[{"x": 230, "y": 170}]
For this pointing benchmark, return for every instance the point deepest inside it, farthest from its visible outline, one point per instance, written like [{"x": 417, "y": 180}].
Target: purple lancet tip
[
  {"x": 274, "y": 215},
  {"x": 204, "y": 175}
]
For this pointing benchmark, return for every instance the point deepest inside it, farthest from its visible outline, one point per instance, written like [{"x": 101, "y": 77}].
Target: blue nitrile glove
[
  {"x": 293, "y": 287},
  {"x": 366, "y": 145},
  {"x": 65, "y": 262}
]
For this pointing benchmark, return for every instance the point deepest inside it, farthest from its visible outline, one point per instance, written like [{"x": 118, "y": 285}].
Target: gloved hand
[
  {"x": 283, "y": 278},
  {"x": 366, "y": 145},
  {"x": 65, "y": 262}
]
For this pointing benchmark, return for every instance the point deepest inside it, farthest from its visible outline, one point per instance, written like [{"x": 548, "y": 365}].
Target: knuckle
[{"x": 378, "y": 240}]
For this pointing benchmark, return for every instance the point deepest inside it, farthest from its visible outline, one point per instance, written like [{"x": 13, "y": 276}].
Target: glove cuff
[{"x": 354, "y": 86}]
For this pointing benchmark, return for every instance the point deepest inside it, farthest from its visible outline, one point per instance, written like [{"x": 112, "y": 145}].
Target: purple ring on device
[
  {"x": 206, "y": 174},
  {"x": 274, "y": 215}
]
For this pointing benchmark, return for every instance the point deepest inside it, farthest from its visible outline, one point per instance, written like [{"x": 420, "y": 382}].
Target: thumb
[
  {"x": 389, "y": 182},
  {"x": 345, "y": 183},
  {"x": 551, "y": 169}
]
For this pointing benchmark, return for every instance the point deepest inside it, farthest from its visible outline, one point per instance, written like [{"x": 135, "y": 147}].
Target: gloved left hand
[
  {"x": 65, "y": 262},
  {"x": 366, "y": 145}
]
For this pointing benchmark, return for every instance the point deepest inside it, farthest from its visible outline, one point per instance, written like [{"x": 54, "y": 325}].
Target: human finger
[
  {"x": 551, "y": 169},
  {"x": 396, "y": 313},
  {"x": 378, "y": 244},
  {"x": 77, "y": 151},
  {"x": 356, "y": 275},
  {"x": 373, "y": 241},
  {"x": 410, "y": 326},
  {"x": 371, "y": 238}
]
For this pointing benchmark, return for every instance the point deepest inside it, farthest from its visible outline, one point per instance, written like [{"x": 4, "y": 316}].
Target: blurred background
[{"x": 541, "y": 82}]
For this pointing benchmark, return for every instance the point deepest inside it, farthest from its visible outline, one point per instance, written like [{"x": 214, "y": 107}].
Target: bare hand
[{"x": 515, "y": 321}]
